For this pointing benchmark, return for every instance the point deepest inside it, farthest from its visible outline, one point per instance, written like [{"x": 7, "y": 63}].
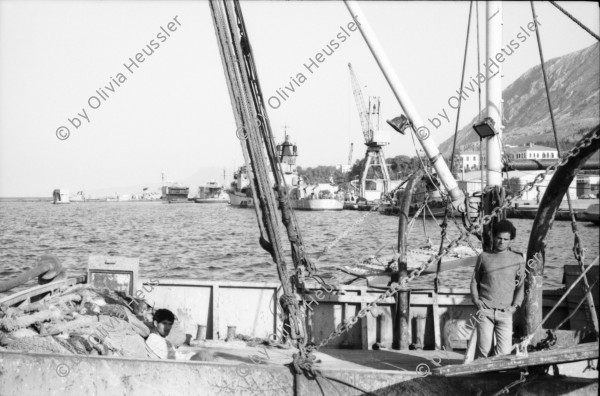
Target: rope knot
[{"x": 304, "y": 365}]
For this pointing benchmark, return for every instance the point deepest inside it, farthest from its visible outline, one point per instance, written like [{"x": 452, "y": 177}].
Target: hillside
[{"x": 574, "y": 88}]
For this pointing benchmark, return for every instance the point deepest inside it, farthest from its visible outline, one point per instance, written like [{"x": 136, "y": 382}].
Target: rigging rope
[
  {"x": 575, "y": 20},
  {"x": 248, "y": 106},
  {"x": 523, "y": 344},
  {"x": 462, "y": 81},
  {"x": 448, "y": 206},
  {"x": 424, "y": 167},
  {"x": 479, "y": 97},
  {"x": 565, "y": 320},
  {"x": 429, "y": 243}
]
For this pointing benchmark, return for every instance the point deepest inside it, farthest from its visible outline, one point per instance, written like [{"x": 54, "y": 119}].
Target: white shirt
[{"x": 159, "y": 347}]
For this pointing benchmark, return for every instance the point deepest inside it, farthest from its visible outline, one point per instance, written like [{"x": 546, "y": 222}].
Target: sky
[{"x": 170, "y": 113}]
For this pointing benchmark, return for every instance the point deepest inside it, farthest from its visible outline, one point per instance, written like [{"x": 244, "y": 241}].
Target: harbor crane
[{"x": 375, "y": 139}]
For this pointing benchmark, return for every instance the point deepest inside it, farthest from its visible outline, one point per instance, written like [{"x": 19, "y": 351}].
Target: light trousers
[{"x": 493, "y": 322}]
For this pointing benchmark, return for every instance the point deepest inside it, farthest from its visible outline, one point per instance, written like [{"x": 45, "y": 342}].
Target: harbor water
[{"x": 219, "y": 242}]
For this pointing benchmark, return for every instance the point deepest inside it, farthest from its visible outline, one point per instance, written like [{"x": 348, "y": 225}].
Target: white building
[
  {"x": 472, "y": 183},
  {"x": 531, "y": 151},
  {"x": 470, "y": 160}
]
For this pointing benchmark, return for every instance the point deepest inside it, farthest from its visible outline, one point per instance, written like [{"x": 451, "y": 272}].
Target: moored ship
[
  {"x": 175, "y": 194},
  {"x": 592, "y": 213},
  {"x": 212, "y": 192},
  {"x": 240, "y": 192},
  {"x": 303, "y": 196}
]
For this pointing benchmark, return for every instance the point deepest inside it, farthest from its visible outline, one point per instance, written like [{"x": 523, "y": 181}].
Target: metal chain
[
  {"x": 522, "y": 379},
  {"x": 395, "y": 287}
]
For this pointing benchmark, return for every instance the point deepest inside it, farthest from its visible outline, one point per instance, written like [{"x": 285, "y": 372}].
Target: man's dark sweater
[{"x": 498, "y": 279}]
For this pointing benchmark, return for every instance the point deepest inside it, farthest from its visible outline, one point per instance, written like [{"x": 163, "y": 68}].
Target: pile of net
[{"x": 80, "y": 320}]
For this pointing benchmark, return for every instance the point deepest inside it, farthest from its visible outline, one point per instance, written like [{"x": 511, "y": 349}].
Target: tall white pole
[
  {"x": 422, "y": 132},
  {"x": 495, "y": 58}
]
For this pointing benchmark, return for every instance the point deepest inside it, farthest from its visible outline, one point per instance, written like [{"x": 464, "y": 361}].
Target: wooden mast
[{"x": 401, "y": 334}]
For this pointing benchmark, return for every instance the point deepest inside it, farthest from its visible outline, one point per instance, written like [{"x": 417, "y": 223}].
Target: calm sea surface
[{"x": 218, "y": 242}]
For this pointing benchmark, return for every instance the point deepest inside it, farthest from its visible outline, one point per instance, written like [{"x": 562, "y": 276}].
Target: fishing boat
[
  {"x": 212, "y": 192},
  {"x": 175, "y": 193},
  {"x": 315, "y": 197},
  {"x": 293, "y": 321},
  {"x": 592, "y": 213},
  {"x": 210, "y": 311},
  {"x": 240, "y": 191},
  {"x": 79, "y": 197},
  {"x": 302, "y": 195}
]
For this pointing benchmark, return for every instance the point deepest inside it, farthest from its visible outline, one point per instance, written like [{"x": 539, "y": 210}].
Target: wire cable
[
  {"x": 575, "y": 20},
  {"x": 462, "y": 81}
]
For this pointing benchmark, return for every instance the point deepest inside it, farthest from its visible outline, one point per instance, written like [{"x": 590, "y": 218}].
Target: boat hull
[
  {"x": 316, "y": 204},
  {"x": 250, "y": 307},
  {"x": 210, "y": 200},
  {"x": 176, "y": 200},
  {"x": 240, "y": 200},
  {"x": 592, "y": 213}
]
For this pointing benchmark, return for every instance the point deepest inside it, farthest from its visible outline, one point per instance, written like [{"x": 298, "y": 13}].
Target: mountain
[{"x": 574, "y": 81}]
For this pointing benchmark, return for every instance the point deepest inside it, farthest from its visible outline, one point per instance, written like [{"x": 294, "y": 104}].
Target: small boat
[
  {"x": 592, "y": 213},
  {"x": 79, "y": 197},
  {"x": 317, "y": 197},
  {"x": 240, "y": 193},
  {"x": 304, "y": 196},
  {"x": 377, "y": 270},
  {"x": 212, "y": 192}
]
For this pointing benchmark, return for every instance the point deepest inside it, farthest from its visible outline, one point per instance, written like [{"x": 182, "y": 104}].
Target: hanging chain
[
  {"x": 395, "y": 287},
  {"x": 522, "y": 379}
]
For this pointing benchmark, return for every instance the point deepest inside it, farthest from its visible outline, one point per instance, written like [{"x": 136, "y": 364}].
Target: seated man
[
  {"x": 159, "y": 347},
  {"x": 157, "y": 344}
]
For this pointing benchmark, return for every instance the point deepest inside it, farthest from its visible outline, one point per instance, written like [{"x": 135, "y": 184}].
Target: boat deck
[{"x": 419, "y": 362}]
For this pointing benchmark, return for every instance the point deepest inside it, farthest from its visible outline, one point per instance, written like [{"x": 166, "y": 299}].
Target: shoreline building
[{"x": 530, "y": 151}]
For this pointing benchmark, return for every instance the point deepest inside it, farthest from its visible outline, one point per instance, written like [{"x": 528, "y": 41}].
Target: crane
[
  {"x": 360, "y": 104},
  {"x": 374, "y": 140}
]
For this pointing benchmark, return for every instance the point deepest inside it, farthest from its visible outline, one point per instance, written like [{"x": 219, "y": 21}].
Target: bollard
[
  {"x": 420, "y": 341},
  {"x": 230, "y": 333},
  {"x": 201, "y": 333}
]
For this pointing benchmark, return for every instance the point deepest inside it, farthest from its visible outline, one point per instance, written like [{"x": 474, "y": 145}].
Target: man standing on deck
[{"x": 497, "y": 291}]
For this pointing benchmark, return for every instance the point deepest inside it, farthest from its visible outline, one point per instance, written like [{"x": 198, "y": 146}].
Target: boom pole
[{"x": 417, "y": 124}]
